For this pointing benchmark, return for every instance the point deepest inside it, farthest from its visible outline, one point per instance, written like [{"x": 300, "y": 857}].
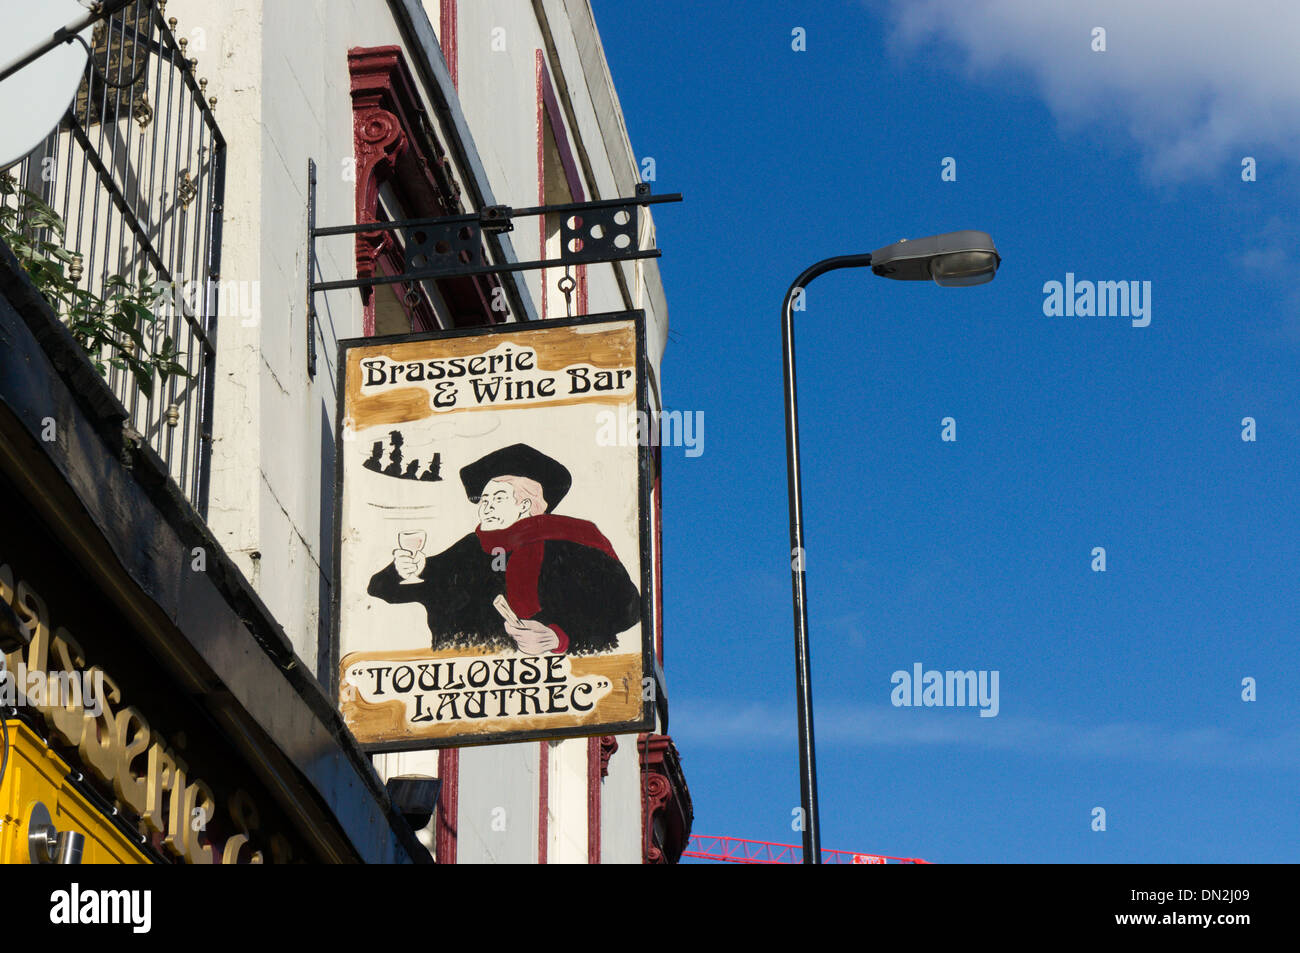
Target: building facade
[{"x": 219, "y": 132}]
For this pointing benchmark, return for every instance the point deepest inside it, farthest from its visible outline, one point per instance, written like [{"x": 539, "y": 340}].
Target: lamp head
[
  {"x": 954, "y": 259},
  {"x": 415, "y": 797}
]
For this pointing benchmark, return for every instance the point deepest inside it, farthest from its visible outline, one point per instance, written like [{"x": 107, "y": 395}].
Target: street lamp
[{"x": 954, "y": 259}]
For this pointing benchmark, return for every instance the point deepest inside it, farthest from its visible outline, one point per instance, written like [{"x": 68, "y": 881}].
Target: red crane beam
[{"x": 733, "y": 850}]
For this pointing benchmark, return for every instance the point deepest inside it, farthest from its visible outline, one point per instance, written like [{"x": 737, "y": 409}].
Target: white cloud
[
  {"x": 737, "y": 724},
  {"x": 1194, "y": 83},
  {"x": 1270, "y": 259}
]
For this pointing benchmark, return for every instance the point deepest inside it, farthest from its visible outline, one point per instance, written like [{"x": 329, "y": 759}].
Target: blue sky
[{"x": 1119, "y": 689}]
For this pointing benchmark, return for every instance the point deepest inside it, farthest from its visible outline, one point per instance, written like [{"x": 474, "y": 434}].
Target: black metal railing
[{"x": 136, "y": 172}]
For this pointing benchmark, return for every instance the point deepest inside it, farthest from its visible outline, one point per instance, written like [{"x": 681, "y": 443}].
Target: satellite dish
[{"x": 34, "y": 99}]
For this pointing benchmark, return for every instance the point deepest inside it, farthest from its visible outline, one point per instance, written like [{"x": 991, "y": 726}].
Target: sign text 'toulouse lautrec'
[{"x": 492, "y": 550}]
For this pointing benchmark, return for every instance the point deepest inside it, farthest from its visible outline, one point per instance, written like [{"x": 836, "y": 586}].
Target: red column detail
[
  {"x": 448, "y": 805},
  {"x": 666, "y": 801},
  {"x": 540, "y": 63},
  {"x": 447, "y": 27},
  {"x": 543, "y": 798}
]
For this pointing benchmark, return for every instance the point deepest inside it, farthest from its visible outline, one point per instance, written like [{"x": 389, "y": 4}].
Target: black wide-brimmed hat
[{"x": 518, "y": 460}]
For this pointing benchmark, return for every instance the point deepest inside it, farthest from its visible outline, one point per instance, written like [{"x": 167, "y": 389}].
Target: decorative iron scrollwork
[
  {"x": 185, "y": 188},
  {"x": 443, "y": 249},
  {"x": 605, "y": 230},
  {"x": 598, "y": 234},
  {"x": 141, "y": 111}
]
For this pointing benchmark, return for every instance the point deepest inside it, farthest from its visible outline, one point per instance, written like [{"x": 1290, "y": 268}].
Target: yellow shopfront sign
[
  {"x": 83, "y": 709},
  {"x": 35, "y": 775}
]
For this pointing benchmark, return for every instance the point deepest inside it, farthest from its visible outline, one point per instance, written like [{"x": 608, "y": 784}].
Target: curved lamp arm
[{"x": 812, "y": 846}]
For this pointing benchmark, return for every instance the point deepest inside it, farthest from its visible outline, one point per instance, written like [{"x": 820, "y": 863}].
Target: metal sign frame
[
  {"x": 451, "y": 246},
  {"x": 645, "y": 476}
]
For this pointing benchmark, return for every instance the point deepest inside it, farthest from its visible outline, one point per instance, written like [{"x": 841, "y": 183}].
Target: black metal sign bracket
[{"x": 602, "y": 231}]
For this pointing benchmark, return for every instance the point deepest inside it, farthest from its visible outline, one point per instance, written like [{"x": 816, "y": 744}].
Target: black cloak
[
  {"x": 582, "y": 590},
  {"x": 555, "y": 570}
]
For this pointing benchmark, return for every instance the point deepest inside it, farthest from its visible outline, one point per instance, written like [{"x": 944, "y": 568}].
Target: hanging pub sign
[{"x": 494, "y": 573}]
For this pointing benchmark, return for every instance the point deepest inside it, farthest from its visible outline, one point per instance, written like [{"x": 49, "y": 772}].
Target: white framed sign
[{"x": 494, "y": 579}]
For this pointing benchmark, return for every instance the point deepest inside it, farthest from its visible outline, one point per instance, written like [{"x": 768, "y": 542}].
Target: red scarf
[{"x": 525, "y": 542}]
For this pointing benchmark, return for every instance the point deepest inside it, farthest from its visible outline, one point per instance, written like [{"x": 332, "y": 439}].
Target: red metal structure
[{"x": 732, "y": 850}]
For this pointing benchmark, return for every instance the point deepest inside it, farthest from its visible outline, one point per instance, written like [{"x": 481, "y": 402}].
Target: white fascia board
[{"x": 432, "y": 68}]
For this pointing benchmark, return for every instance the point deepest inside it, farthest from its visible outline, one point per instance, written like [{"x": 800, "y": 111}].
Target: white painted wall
[
  {"x": 498, "y": 94},
  {"x": 279, "y": 71}
]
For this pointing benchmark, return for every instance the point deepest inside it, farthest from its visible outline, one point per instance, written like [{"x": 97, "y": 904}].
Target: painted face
[{"x": 498, "y": 508}]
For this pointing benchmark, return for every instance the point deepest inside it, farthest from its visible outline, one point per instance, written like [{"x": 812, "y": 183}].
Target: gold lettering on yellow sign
[
  {"x": 35, "y": 620},
  {"x": 117, "y": 744},
  {"x": 131, "y": 788},
  {"x": 68, "y": 719},
  {"x": 199, "y": 805},
  {"x": 161, "y": 770},
  {"x": 96, "y": 748},
  {"x": 243, "y": 812},
  {"x": 174, "y": 838},
  {"x": 230, "y": 854}
]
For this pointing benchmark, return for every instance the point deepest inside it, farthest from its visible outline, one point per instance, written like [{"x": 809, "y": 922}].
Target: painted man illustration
[{"x": 563, "y": 586}]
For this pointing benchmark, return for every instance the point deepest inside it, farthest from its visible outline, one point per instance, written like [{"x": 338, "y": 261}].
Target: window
[
  {"x": 558, "y": 181},
  {"x": 402, "y": 171}
]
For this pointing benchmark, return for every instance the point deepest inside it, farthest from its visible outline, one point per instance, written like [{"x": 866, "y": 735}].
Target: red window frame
[{"x": 394, "y": 143}]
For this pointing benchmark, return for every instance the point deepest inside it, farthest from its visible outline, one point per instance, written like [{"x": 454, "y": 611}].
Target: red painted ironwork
[
  {"x": 447, "y": 37},
  {"x": 733, "y": 850},
  {"x": 394, "y": 142},
  {"x": 665, "y": 801},
  {"x": 448, "y": 805},
  {"x": 593, "y": 800},
  {"x": 548, "y": 113},
  {"x": 543, "y": 798},
  {"x": 540, "y": 67}
]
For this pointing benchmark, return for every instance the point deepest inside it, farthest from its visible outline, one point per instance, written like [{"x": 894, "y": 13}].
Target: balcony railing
[{"x": 136, "y": 172}]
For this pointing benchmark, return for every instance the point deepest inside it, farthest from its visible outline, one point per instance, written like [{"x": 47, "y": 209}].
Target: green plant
[{"x": 112, "y": 329}]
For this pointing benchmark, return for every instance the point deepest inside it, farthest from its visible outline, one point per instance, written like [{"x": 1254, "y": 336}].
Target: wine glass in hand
[{"x": 408, "y": 558}]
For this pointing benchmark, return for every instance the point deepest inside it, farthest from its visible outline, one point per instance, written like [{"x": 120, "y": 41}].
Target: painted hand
[
  {"x": 407, "y": 565},
  {"x": 532, "y": 637}
]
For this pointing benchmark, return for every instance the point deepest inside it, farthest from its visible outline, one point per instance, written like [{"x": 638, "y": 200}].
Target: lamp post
[{"x": 955, "y": 259}]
